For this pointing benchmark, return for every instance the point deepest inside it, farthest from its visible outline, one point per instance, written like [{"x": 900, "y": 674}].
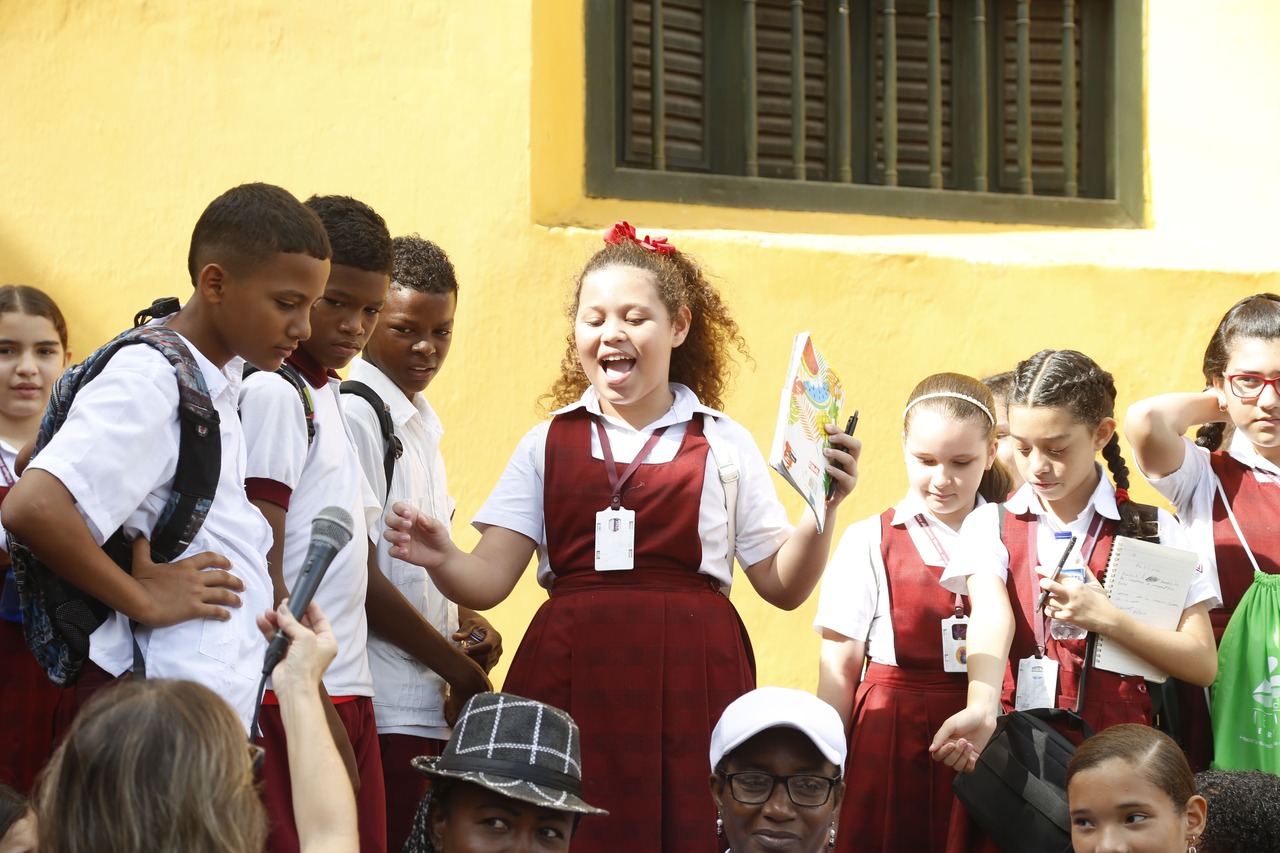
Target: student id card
[
  {"x": 955, "y": 641},
  {"x": 615, "y": 540},
  {"x": 1037, "y": 683}
]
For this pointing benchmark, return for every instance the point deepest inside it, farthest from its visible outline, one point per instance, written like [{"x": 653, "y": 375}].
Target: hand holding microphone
[{"x": 330, "y": 532}]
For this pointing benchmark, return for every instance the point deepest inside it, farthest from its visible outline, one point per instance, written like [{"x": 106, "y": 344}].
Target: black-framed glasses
[
  {"x": 754, "y": 787},
  {"x": 1246, "y": 386}
]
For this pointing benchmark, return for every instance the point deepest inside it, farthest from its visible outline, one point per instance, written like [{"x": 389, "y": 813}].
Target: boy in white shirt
[
  {"x": 258, "y": 260},
  {"x": 411, "y": 658},
  {"x": 300, "y": 462}
]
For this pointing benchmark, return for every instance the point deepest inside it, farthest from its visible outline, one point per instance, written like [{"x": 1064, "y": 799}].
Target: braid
[
  {"x": 1130, "y": 521},
  {"x": 1209, "y": 436}
]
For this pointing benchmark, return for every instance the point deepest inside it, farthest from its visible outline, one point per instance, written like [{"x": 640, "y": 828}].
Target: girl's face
[
  {"x": 945, "y": 462},
  {"x": 477, "y": 820},
  {"x": 1005, "y": 451},
  {"x": 1115, "y": 807},
  {"x": 31, "y": 358},
  {"x": 1055, "y": 455},
  {"x": 1257, "y": 416},
  {"x": 625, "y": 336}
]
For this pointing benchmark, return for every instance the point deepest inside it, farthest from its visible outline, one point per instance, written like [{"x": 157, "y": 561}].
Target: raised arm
[
  {"x": 1155, "y": 428},
  {"x": 478, "y": 580}
]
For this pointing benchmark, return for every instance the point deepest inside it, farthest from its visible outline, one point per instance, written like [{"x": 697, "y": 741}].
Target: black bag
[
  {"x": 1017, "y": 791},
  {"x": 390, "y": 441}
]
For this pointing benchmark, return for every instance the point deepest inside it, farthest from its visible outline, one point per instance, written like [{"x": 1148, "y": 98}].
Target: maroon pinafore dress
[
  {"x": 644, "y": 660},
  {"x": 898, "y": 797},
  {"x": 1256, "y": 504}
]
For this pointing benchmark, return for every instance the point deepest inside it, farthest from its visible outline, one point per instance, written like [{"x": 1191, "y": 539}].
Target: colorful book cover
[{"x": 811, "y": 399}]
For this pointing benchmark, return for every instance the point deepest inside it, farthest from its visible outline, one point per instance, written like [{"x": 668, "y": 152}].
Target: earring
[
  {"x": 1191, "y": 846},
  {"x": 1222, "y": 404},
  {"x": 831, "y": 839},
  {"x": 719, "y": 825}
]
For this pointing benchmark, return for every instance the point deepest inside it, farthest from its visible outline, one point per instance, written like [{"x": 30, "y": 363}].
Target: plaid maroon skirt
[
  {"x": 645, "y": 662},
  {"x": 28, "y": 700}
]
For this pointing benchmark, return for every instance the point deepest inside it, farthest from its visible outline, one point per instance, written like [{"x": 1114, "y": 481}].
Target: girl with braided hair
[
  {"x": 1061, "y": 415},
  {"x": 1226, "y": 492}
]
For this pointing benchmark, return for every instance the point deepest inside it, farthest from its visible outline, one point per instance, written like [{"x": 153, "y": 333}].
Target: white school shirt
[
  {"x": 408, "y": 697},
  {"x": 516, "y": 502},
  {"x": 981, "y": 549},
  {"x": 1192, "y": 488},
  {"x": 854, "y": 599},
  {"x": 9, "y": 456},
  {"x": 117, "y": 453},
  {"x": 326, "y": 473}
]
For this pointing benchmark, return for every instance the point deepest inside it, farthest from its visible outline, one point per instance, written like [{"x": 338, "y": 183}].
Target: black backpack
[
  {"x": 392, "y": 444},
  {"x": 57, "y": 617},
  {"x": 291, "y": 375}
]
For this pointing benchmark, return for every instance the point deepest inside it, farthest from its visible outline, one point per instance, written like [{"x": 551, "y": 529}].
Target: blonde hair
[{"x": 152, "y": 766}]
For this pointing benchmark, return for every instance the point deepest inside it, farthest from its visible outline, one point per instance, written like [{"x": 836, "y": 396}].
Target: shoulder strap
[
  {"x": 393, "y": 448},
  {"x": 288, "y": 374},
  {"x": 728, "y": 469}
]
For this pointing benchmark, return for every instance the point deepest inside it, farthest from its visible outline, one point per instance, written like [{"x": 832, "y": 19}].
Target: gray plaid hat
[{"x": 524, "y": 749}]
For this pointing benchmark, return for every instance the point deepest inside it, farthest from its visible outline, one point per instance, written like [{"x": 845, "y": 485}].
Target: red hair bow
[{"x": 622, "y": 231}]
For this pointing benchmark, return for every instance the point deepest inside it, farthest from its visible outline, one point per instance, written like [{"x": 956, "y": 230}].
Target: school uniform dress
[
  {"x": 897, "y": 797},
  {"x": 1252, "y": 485},
  {"x": 116, "y": 454},
  {"x": 408, "y": 696},
  {"x": 644, "y": 660},
  {"x": 1027, "y": 541},
  {"x": 304, "y": 479},
  {"x": 28, "y": 699}
]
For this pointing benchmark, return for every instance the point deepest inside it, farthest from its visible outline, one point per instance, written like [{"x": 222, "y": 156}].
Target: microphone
[{"x": 330, "y": 532}]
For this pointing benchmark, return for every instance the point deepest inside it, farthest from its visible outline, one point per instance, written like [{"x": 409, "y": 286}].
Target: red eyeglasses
[{"x": 1246, "y": 386}]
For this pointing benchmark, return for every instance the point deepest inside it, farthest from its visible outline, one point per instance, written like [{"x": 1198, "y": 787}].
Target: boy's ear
[{"x": 212, "y": 282}]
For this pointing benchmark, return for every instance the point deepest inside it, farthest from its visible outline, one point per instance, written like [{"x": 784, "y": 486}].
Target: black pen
[
  {"x": 848, "y": 428},
  {"x": 1066, "y": 553}
]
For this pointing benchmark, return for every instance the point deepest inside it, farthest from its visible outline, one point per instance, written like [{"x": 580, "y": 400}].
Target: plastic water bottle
[{"x": 1058, "y": 629}]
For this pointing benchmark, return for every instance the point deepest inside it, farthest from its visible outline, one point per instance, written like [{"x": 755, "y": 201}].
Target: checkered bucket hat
[{"x": 515, "y": 746}]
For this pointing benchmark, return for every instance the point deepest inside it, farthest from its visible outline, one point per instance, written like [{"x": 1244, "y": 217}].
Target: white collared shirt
[
  {"x": 762, "y": 525},
  {"x": 117, "y": 453},
  {"x": 1191, "y": 490},
  {"x": 981, "y": 549},
  {"x": 854, "y": 599},
  {"x": 408, "y": 697}
]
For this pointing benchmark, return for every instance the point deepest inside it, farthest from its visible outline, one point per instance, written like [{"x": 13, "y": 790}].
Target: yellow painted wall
[{"x": 121, "y": 119}]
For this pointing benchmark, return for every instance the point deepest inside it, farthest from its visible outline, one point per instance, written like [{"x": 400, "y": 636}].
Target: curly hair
[
  {"x": 703, "y": 362},
  {"x": 1256, "y": 316},
  {"x": 973, "y": 405},
  {"x": 1244, "y": 810},
  {"x": 357, "y": 234},
  {"x": 152, "y": 766},
  {"x": 422, "y": 266},
  {"x": 1071, "y": 380}
]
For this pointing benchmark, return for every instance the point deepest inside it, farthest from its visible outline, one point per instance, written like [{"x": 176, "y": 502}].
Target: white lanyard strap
[{"x": 1235, "y": 524}]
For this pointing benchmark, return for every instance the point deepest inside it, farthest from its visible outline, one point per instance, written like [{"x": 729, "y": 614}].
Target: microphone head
[{"x": 333, "y": 525}]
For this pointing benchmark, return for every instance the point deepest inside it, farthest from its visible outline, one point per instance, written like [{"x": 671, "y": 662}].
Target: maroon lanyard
[
  {"x": 1033, "y": 559},
  {"x": 616, "y": 482}
]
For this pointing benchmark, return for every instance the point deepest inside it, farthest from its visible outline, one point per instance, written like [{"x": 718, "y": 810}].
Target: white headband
[{"x": 981, "y": 405}]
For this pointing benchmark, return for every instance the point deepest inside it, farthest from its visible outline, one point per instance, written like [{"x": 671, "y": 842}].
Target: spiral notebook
[{"x": 1149, "y": 582}]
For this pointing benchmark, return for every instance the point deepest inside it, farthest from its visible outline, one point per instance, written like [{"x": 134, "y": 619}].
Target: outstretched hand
[
  {"x": 416, "y": 537},
  {"x": 195, "y": 587}
]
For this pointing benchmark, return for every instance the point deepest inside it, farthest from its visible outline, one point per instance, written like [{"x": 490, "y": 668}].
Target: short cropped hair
[
  {"x": 422, "y": 266},
  {"x": 357, "y": 234},
  {"x": 248, "y": 225}
]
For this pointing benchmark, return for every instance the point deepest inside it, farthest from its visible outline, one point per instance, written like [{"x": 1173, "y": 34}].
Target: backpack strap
[
  {"x": 294, "y": 378},
  {"x": 728, "y": 469},
  {"x": 394, "y": 448}
]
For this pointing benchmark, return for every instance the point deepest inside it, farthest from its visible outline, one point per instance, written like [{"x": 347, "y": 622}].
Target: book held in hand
[
  {"x": 1149, "y": 582},
  {"x": 811, "y": 399}
]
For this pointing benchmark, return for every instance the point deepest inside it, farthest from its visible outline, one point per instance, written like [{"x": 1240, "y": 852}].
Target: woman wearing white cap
[{"x": 776, "y": 756}]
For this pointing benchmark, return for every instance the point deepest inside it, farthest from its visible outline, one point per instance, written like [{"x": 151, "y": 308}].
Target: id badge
[
  {"x": 1037, "y": 683},
  {"x": 955, "y": 641},
  {"x": 615, "y": 540}
]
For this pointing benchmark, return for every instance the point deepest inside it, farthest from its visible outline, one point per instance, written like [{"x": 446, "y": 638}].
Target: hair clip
[{"x": 623, "y": 231}]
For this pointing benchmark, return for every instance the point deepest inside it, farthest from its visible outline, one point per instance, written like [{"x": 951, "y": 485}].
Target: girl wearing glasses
[
  {"x": 881, "y": 599},
  {"x": 1227, "y": 497},
  {"x": 776, "y": 755}
]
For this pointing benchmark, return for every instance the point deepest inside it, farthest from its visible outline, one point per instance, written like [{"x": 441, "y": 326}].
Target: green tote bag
[{"x": 1246, "y": 693}]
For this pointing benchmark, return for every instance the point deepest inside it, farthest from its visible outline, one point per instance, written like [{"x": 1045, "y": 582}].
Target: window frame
[{"x": 1121, "y": 141}]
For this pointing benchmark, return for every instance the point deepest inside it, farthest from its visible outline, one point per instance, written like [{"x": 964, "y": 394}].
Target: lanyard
[
  {"x": 942, "y": 552},
  {"x": 6, "y": 473},
  {"x": 616, "y": 482},
  {"x": 1033, "y": 559}
]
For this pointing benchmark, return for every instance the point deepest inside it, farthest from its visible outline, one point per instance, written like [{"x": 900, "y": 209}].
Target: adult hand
[{"x": 312, "y": 647}]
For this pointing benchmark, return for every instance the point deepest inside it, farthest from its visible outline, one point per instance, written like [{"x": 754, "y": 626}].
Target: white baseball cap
[{"x": 779, "y": 707}]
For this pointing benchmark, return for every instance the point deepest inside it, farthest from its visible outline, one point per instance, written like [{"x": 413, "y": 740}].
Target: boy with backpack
[
  {"x": 301, "y": 460},
  {"x": 258, "y": 260},
  {"x": 397, "y": 437}
]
